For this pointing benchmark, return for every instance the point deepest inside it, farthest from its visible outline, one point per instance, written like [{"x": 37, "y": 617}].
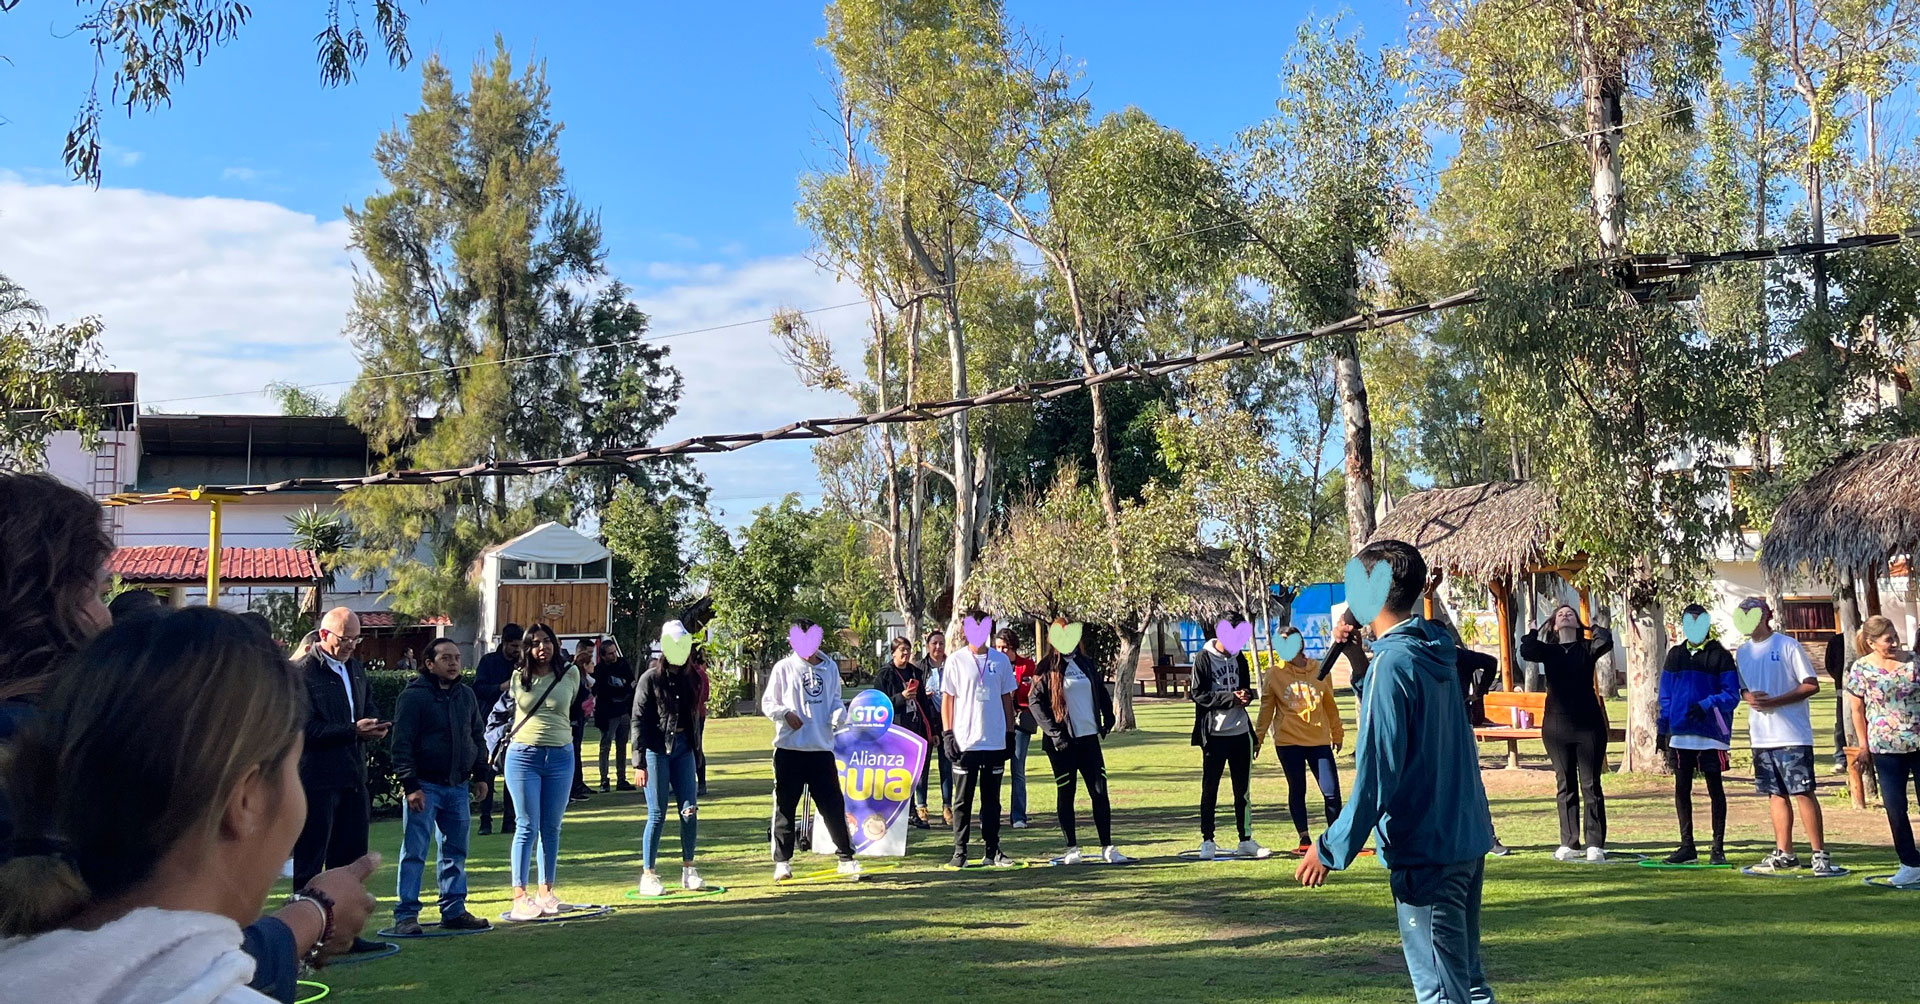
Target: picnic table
[
  {"x": 1501, "y": 707},
  {"x": 1172, "y": 679}
]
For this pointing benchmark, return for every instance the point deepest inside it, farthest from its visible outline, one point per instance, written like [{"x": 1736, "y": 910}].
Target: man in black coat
[{"x": 341, "y": 720}]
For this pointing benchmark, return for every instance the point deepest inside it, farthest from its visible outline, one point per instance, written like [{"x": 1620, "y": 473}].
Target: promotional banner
[{"x": 879, "y": 765}]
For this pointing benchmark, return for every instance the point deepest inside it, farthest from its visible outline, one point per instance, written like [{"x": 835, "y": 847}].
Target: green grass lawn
[{"x": 1165, "y": 929}]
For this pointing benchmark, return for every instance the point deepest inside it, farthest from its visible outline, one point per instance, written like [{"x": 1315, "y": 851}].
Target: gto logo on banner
[{"x": 879, "y": 765}]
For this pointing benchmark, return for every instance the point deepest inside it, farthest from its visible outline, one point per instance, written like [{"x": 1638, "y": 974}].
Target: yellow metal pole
[{"x": 213, "y": 553}]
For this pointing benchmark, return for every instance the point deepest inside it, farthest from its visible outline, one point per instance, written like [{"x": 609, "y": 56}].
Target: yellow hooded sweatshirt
[{"x": 1299, "y": 706}]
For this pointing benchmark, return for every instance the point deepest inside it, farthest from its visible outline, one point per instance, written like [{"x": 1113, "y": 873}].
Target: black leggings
[
  {"x": 1081, "y": 758},
  {"x": 1295, "y": 760},
  {"x": 1236, "y": 754},
  {"x": 1708, "y": 763},
  {"x": 982, "y": 770},
  {"x": 1579, "y": 753}
]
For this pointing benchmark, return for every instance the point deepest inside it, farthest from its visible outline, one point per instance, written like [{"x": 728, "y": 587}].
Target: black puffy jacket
[{"x": 437, "y": 735}]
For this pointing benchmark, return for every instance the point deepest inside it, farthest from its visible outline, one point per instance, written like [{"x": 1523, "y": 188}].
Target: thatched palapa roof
[
  {"x": 1202, "y": 586},
  {"x": 1497, "y": 530},
  {"x": 1861, "y": 510}
]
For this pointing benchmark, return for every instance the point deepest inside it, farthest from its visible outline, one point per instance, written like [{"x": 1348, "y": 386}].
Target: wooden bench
[
  {"x": 1501, "y": 704},
  {"x": 1172, "y": 678}
]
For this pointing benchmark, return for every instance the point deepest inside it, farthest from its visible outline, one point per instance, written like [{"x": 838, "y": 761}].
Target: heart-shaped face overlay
[
  {"x": 804, "y": 643},
  {"x": 1288, "y": 647},
  {"x": 1367, "y": 589},
  {"x": 1746, "y": 619},
  {"x": 677, "y": 649},
  {"x": 1065, "y": 638},
  {"x": 1233, "y": 637},
  {"x": 979, "y": 632},
  {"x": 1695, "y": 627}
]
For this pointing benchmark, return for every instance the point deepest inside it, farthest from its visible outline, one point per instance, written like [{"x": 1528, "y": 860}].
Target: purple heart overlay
[
  {"x": 1233, "y": 637},
  {"x": 804, "y": 643},
  {"x": 979, "y": 632}
]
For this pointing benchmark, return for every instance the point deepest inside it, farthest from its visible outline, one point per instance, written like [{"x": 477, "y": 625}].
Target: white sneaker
[
  {"x": 650, "y": 884},
  {"x": 1565, "y": 853},
  {"x": 690, "y": 878},
  {"x": 1072, "y": 857},
  {"x": 1596, "y": 855},
  {"x": 849, "y": 868},
  {"x": 1021, "y": 825},
  {"x": 1208, "y": 850},
  {"x": 524, "y": 908},
  {"x": 1907, "y": 875},
  {"x": 1111, "y": 855},
  {"x": 782, "y": 871},
  {"x": 1250, "y": 848}
]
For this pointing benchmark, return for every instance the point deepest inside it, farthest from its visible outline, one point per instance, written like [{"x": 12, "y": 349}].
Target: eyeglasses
[{"x": 350, "y": 639}]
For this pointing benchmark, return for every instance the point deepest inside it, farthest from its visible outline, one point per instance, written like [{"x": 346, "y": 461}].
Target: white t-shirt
[
  {"x": 1080, "y": 717},
  {"x": 1774, "y": 667},
  {"x": 977, "y": 683}
]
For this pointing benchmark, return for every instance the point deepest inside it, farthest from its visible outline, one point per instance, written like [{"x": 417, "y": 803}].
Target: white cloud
[
  {"x": 240, "y": 174},
  {"x": 219, "y": 296}
]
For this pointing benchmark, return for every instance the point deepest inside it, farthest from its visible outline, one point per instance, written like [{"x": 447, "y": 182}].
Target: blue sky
[{"x": 215, "y": 253}]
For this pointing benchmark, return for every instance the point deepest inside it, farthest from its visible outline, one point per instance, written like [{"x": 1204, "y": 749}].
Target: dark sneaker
[
  {"x": 999, "y": 860},
  {"x": 362, "y": 946},
  {"x": 1717, "y": 857},
  {"x": 1684, "y": 856},
  {"x": 1776, "y": 861},
  {"x": 408, "y": 929},
  {"x": 628, "y": 786},
  {"x": 915, "y": 822},
  {"x": 486, "y": 827},
  {"x": 603, "y": 788},
  {"x": 959, "y": 860},
  {"x": 465, "y": 922},
  {"x": 1823, "y": 866}
]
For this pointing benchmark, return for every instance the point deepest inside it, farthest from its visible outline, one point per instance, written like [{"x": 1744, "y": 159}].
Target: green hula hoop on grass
[
  {"x": 675, "y": 895},
  {"x": 833, "y": 875},
  {"x": 311, "y": 985}
]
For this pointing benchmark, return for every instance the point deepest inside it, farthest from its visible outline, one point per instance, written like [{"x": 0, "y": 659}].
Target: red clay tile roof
[{"x": 238, "y": 565}]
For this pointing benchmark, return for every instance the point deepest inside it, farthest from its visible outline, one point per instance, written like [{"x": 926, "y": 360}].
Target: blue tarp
[{"x": 1312, "y": 614}]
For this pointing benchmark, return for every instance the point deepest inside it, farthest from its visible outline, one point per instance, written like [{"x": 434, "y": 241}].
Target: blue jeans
[
  {"x": 946, "y": 774},
  {"x": 540, "y": 779},
  {"x": 445, "y": 819},
  {"x": 676, "y": 767},
  {"x": 1017, "y": 769},
  {"x": 1439, "y": 911}
]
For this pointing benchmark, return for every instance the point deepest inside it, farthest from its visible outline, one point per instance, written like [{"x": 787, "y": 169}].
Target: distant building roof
[
  {"x": 388, "y": 619},
  {"x": 238, "y": 565},
  {"x": 252, "y": 435}
]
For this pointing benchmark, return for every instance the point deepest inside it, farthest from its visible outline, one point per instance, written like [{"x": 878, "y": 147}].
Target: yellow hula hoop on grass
[{"x": 322, "y": 987}]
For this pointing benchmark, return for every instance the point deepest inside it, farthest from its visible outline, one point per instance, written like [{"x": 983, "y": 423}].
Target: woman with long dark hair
[
  {"x": 914, "y": 709},
  {"x": 540, "y": 762},
  {"x": 1073, "y": 709},
  {"x": 665, "y": 715},
  {"x": 1574, "y": 728}
]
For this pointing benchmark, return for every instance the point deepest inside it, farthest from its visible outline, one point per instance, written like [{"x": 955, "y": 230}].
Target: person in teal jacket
[{"x": 1417, "y": 791}]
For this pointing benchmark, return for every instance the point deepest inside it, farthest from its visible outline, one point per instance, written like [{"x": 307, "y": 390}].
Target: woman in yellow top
[
  {"x": 1296, "y": 704},
  {"x": 540, "y": 764}
]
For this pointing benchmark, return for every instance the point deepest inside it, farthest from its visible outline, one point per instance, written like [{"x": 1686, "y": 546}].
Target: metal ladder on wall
[{"x": 107, "y": 483}]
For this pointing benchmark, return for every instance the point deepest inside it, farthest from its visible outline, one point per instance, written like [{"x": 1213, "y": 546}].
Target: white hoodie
[
  {"x": 810, "y": 691},
  {"x": 149, "y": 956}
]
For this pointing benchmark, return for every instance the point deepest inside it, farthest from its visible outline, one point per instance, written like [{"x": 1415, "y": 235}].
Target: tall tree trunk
[
  {"x": 1358, "y": 420},
  {"x": 965, "y": 518},
  {"x": 1603, "y": 86},
  {"x": 1123, "y": 674},
  {"x": 916, "y": 603}
]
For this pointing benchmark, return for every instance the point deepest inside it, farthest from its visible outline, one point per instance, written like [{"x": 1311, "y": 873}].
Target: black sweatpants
[
  {"x": 981, "y": 769},
  {"x": 1707, "y": 762},
  {"x": 1081, "y": 759},
  {"x": 1578, "y": 756},
  {"x": 335, "y": 833},
  {"x": 1236, "y": 754},
  {"x": 814, "y": 771}
]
